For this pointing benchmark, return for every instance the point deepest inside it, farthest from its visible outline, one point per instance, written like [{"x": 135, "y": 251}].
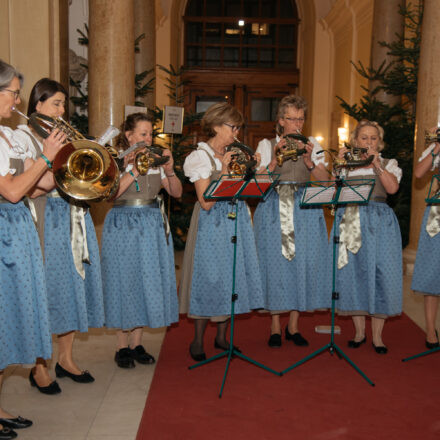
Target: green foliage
[{"x": 397, "y": 78}]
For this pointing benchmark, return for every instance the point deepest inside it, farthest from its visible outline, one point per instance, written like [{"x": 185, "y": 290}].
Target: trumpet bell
[{"x": 85, "y": 170}]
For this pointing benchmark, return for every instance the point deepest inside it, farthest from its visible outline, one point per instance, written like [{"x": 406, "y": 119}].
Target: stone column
[
  {"x": 144, "y": 23},
  {"x": 111, "y": 70},
  {"x": 427, "y": 116},
  {"x": 387, "y": 22}
]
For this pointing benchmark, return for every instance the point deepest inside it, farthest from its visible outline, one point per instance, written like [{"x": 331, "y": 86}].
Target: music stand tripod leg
[{"x": 424, "y": 353}]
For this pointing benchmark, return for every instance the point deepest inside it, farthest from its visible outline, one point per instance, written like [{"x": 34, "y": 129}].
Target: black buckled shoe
[
  {"x": 274, "y": 340},
  {"x": 380, "y": 349},
  {"x": 296, "y": 338},
  {"x": 123, "y": 358},
  {"x": 17, "y": 423},
  {"x": 84, "y": 377},
  {"x": 7, "y": 434},
  {"x": 140, "y": 355},
  {"x": 356, "y": 344},
  {"x": 53, "y": 388}
]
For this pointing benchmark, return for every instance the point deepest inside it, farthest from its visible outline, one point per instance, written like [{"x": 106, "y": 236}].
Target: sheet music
[
  {"x": 319, "y": 194},
  {"x": 355, "y": 193}
]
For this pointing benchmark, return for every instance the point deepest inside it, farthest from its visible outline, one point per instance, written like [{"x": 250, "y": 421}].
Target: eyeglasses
[
  {"x": 15, "y": 92},
  {"x": 233, "y": 127},
  {"x": 294, "y": 119}
]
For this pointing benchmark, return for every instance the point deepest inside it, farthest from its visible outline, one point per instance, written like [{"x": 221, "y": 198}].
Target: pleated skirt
[
  {"x": 74, "y": 303},
  {"x": 138, "y": 269},
  {"x": 426, "y": 277},
  {"x": 24, "y": 324},
  {"x": 371, "y": 282},
  {"x": 303, "y": 283}
]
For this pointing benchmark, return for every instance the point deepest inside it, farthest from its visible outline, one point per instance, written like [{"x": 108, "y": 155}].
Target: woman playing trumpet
[
  {"x": 293, "y": 253},
  {"x": 74, "y": 289},
  {"x": 425, "y": 277},
  {"x": 137, "y": 250}
]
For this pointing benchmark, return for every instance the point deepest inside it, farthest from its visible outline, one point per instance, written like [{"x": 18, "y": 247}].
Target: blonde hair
[
  {"x": 294, "y": 101},
  {"x": 217, "y": 115},
  {"x": 366, "y": 123}
]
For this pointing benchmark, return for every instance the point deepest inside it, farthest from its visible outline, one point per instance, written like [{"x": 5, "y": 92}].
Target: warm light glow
[
  {"x": 162, "y": 135},
  {"x": 342, "y": 135},
  {"x": 241, "y": 22},
  {"x": 319, "y": 138}
]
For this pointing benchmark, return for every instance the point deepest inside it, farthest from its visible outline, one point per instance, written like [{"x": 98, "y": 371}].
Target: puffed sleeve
[
  {"x": 24, "y": 140},
  {"x": 265, "y": 149},
  {"x": 393, "y": 167},
  {"x": 436, "y": 161},
  {"x": 4, "y": 157},
  {"x": 197, "y": 166},
  {"x": 318, "y": 155},
  {"x": 19, "y": 148}
]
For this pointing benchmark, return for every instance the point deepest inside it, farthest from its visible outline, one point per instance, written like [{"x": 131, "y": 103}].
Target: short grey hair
[{"x": 7, "y": 74}]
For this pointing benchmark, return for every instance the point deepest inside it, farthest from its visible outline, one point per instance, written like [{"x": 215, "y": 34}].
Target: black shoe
[
  {"x": 140, "y": 355},
  {"x": 431, "y": 345},
  {"x": 198, "y": 357},
  {"x": 356, "y": 344},
  {"x": 221, "y": 347},
  {"x": 274, "y": 340},
  {"x": 123, "y": 358},
  {"x": 7, "y": 434},
  {"x": 380, "y": 349},
  {"x": 53, "y": 388},
  {"x": 17, "y": 423},
  {"x": 296, "y": 338},
  {"x": 84, "y": 377}
]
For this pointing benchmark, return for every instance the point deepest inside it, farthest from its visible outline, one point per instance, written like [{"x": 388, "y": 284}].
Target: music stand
[
  {"x": 233, "y": 189},
  {"x": 340, "y": 192},
  {"x": 433, "y": 198}
]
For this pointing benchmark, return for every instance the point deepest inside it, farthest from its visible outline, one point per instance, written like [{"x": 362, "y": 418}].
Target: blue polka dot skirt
[
  {"x": 426, "y": 270},
  {"x": 211, "y": 287},
  {"x": 74, "y": 303},
  {"x": 24, "y": 323},
  {"x": 303, "y": 283},
  {"x": 138, "y": 269},
  {"x": 371, "y": 282}
]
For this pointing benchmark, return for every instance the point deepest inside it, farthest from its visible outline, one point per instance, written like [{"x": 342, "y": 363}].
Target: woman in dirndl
[
  {"x": 425, "y": 278},
  {"x": 205, "y": 288},
  {"x": 70, "y": 249},
  {"x": 137, "y": 249},
  {"x": 292, "y": 241},
  {"x": 369, "y": 274},
  {"x": 24, "y": 326}
]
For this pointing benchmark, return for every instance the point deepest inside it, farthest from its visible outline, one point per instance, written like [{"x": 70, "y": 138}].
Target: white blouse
[
  {"x": 198, "y": 166},
  {"x": 265, "y": 149},
  {"x": 392, "y": 166},
  {"x": 18, "y": 150},
  {"x": 26, "y": 141},
  {"x": 427, "y": 151},
  {"x": 150, "y": 171}
]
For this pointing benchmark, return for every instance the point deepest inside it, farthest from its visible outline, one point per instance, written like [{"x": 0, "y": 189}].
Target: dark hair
[
  {"x": 217, "y": 115},
  {"x": 7, "y": 74},
  {"x": 129, "y": 125},
  {"x": 43, "y": 89}
]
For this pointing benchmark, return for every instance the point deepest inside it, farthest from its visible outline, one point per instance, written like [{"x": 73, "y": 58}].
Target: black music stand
[
  {"x": 340, "y": 192},
  {"x": 433, "y": 198},
  {"x": 233, "y": 189}
]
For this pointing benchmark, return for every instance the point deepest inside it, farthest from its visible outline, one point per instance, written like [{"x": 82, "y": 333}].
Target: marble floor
[{"x": 112, "y": 406}]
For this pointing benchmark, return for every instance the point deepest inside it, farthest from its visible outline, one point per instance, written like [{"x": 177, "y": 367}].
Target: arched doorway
[{"x": 242, "y": 51}]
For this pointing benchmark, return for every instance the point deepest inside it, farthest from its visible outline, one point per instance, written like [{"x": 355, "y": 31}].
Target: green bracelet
[
  {"x": 135, "y": 180},
  {"x": 48, "y": 162}
]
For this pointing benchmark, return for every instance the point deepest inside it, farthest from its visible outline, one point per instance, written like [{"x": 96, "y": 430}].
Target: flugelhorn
[
  {"x": 355, "y": 157},
  {"x": 151, "y": 158},
  {"x": 292, "y": 150},
  {"x": 243, "y": 162},
  {"x": 83, "y": 169},
  {"x": 432, "y": 137}
]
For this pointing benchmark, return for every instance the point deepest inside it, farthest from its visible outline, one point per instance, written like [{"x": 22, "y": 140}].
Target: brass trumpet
[
  {"x": 152, "y": 158},
  {"x": 242, "y": 163},
  {"x": 293, "y": 149}
]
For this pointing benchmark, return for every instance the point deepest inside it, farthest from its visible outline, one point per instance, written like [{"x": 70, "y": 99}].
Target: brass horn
[
  {"x": 292, "y": 149},
  {"x": 242, "y": 163},
  {"x": 432, "y": 137},
  {"x": 151, "y": 158}
]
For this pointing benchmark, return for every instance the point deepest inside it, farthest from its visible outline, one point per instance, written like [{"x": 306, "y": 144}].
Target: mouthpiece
[{"x": 14, "y": 109}]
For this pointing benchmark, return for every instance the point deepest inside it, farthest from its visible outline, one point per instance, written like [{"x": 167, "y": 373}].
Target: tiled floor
[{"x": 112, "y": 406}]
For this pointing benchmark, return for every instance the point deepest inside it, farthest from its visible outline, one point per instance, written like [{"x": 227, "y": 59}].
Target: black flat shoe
[
  {"x": 53, "y": 388},
  {"x": 356, "y": 344},
  {"x": 431, "y": 345},
  {"x": 123, "y": 358},
  {"x": 7, "y": 434},
  {"x": 221, "y": 347},
  {"x": 296, "y": 338},
  {"x": 84, "y": 377},
  {"x": 274, "y": 340},
  {"x": 140, "y": 355},
  {"x": 380, "y": 349},
  {"x": 17, "y": 423},
  {"x": 198, "y": 357}
]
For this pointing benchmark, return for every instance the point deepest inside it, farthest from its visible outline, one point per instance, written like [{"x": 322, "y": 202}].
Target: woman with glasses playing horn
[
  {"x": 205, "y": 287},
  {"x": 74, "y": 288},
  {"x": 24, "y": 325},
  {"x": 137, "y": 248},
  {"x": 425, "y": 277},
  {"x": 292, "y": 242}
]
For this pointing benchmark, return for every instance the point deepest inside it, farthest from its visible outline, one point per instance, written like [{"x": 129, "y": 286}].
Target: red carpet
[{"x": 325, "y": 398}]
